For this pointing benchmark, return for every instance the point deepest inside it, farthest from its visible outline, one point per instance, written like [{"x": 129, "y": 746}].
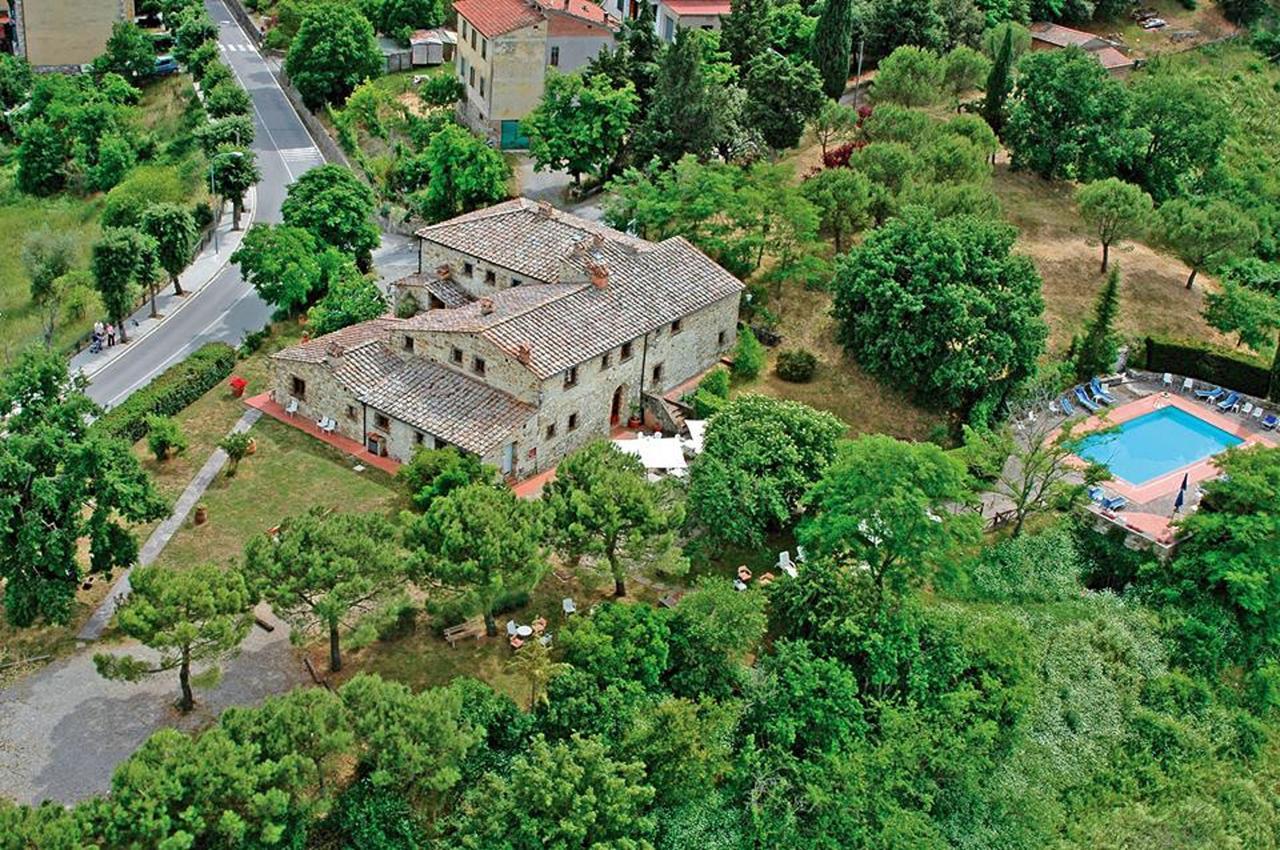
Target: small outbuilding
[{"x": 433, "y": 46}]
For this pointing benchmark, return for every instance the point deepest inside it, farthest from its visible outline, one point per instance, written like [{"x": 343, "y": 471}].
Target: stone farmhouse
[{"x": 530, "y": 333}]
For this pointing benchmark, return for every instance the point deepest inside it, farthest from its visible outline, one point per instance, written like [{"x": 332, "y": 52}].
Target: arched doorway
[{"x": 615, "y": 409}]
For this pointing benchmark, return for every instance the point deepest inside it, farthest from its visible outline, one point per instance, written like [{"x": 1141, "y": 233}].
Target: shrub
[
  {"x": 227, "y": 98},
  {"x": 441, "y": 90},
  {"x": 457, "y": 609},
  {"x": 214, "y": 74},
  {"x": 375, "y": 818},
  {"x": 1031, "y": 568},
  {"x": 164, "y": 437},
  {"x": 716, "y": 382},
  {"x": 174, "y": 389},
  {"x": 1209, "y": 365},
  {"x": 749, "y": 359},
  {"x": 705, "y": 403},
  {"x": 146, "y": 185},
  {"x": 796, "y": 366},
  {"x": 236, "y": 445},
  {"x": 408, "y": 306}
]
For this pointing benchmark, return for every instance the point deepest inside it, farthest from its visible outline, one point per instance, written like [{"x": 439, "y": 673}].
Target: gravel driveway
[{"x": 64, "y": 728}]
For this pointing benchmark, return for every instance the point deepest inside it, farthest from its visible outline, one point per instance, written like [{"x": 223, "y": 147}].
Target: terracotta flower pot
[
  {"x": 202, "y": 515},
  {"x": 252, "y": 447}
]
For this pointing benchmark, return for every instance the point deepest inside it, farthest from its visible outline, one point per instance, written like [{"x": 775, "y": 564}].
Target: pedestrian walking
[
  {"x": 111, "y": 335},
  {"x": 98, "y": 329}
]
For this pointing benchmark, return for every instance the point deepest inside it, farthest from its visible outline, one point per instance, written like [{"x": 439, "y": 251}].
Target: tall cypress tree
[
  {"x": 999, "y": 84},
  {"x": 1097, "y": 351},
  {"x": 641, "y": 40},
  {"x": 833, "y": 46},
  {"x": 683, "y": 110},
  {"x": 744, "y": 32}
]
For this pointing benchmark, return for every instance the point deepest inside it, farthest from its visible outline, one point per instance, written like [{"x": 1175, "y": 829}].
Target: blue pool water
[{"x": 1155, "y": 444}]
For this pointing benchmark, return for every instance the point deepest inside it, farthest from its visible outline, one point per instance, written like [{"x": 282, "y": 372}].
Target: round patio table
[{"x": 524, "y": 631}]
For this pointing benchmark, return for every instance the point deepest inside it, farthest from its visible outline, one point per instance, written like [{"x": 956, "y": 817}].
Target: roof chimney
[
  {"x": 486, "y": 306},
  {"x": 599, "y": 272},
  {"x": 524, "y": 353},
  {"x": 444, "y": 271},
  {"x": 545, "y": 209},
  {"x": 334, "y": 351}
]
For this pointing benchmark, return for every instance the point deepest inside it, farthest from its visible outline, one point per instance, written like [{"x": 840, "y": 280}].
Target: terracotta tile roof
[
  {"x": 698, "y": 7},
  {"x": 1061, "y": 36},
  {"x": 498, "y": 17},
  {"x": 459, "y": 409},
  {"x": 581, "y": 9},
  {"x": 1112, "y": 58},
  {"x": 315, "y": 351},
  {"x": 565, "y": 320},
  {"x": 447, "y": 290}
]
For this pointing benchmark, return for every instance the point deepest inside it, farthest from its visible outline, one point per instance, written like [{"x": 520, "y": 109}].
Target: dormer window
[{"x": 570, "y": 377}]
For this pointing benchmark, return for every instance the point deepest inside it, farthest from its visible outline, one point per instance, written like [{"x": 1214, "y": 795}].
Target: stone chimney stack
[
  {"x": 545, "y": 209},
  {"x": 486, "y": 306},
  {"x": 524, "y": 353},
  {"x": 334, "y": 351},
  {"x": 599, "y": 272},
  {"x": 444, "y": 271}
]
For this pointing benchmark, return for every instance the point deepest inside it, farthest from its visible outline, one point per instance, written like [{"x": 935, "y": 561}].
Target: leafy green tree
[
  {"x": 41, "y": 155},
  {"x": 580, "y": 125},
  {"x": 601, "y": 505},
  {"x": 833, "y": 45},
  {"x": 567, "y": 794},
  {"x": 236, "y": 445},
  {"x": 1070, "y": 118},
  {"x": 195, "y": 29},
  {"x": 843, "y": 199},
  {"x": 47, "y": 256},
  {"x": 684, "y": 745},
  {"x": 889, "y": 508},
  {"x": 910, "y": 76},
  {"x": 1253, "y": 315},
  {"x": 1231, "y": 548},
  {"x": 1012, "y": 28},
  {"x": 942, "y": 308},
  {"x": 834, "y": 122},
  {"x": 782, "y": 96},
  {"x": 804, "y": 704},
  {"x": 1244, "y": 12},
  {"x": 350, "y": 297},
  {"x": 1205, "y": 235},
  {"x": 745, "y": 30},
  {"x": 333, "y": 52},
  {"x": 619, "y": 642},
  {"x": 336, "y": 208},
  {"x": 227, "y": 98},
  {"x": 398, "y": 15},
  {"x": 325, "y": 573},
  {"x": 963, "y": 69},
  {"x": 202, "y": 58},
  {"x": 479, "y": 540},
  {"x": 1097, "y": 350},
  {"x": 1180, "y": 128},
  {"x": 164, "y": 437},
  {"x": 234, "y": 171},
  {"x": 188, "y": 616},
  {"x": 442, "y": 90},
  {"x": 120, "y": 265},
  {"x": 61, "y": 482},
  {"x": 432, "y": 473},
  {"x": 999, "y": 85},
  {"x": 748, "y": 357},
  {"x": 281, "y": 263},
  {"x": 714, "y": 631},
  {"x": 116, "y": 156},
  {"x": 412, "y": 744},
  {"x": 759, "y": 457},
  {"x": 533, "y": 663},
  {"x": 15, "y": 80},
  {"x": 463, "y": 174},
  {"x": 130, "y": 52},
  {"x": 174, "y": 230},
  {"x": 1114, "y": 209},
  {"x": 370, "y": 817},
  {"x": 682, "y": 116}
]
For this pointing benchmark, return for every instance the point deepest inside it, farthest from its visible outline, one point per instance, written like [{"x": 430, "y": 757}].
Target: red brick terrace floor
[{"x": 356, "y": 450}]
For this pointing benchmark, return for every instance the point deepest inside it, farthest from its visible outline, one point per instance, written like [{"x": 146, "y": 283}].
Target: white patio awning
[{"x": 656, "y": 453}]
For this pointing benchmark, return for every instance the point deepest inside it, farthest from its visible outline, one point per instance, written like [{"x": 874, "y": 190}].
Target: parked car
[
  {"x": 1154, "y": 23},
  {"x": 166, "y": 65}
]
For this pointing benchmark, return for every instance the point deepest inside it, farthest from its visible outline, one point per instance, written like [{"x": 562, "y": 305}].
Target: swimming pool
[{"x": 1155, "y": 444}]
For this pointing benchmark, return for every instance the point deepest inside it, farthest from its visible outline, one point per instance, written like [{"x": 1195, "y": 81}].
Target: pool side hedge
[
  {"x": 1209, "y": 366},
  {"x": 171, "y": 391}
]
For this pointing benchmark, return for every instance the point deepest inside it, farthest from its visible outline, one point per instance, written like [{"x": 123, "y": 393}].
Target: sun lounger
[
  {"x": 1210, "y": 395},
  {"x": 1066, "y": 406},
  {"x": 1100, "y": 392},
  {"x": 1096, "y": 494},
  {"x": 292, "y": 407},
  {"x": 1270, "y": 421},
  {"x": 1231, "y": 402},
  {"x": 1115, "y": 503},
  {"x": 1083, "y": 398}
]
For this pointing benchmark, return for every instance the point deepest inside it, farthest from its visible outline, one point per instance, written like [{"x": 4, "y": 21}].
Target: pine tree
[
  {"x": 833, "y": 46},
  {"x": 999, "y": 84},
  {"x": 682, "y": 115},
  {"x": 744, "y": 31},
  {"x": 640, "y": 38},
  {"x": 1096, "y": 352}
]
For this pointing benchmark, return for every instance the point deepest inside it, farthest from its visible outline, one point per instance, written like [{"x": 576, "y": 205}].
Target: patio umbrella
[
  {"x": 1185, "y": 476},
  {"x": 1177, "y": 503}
]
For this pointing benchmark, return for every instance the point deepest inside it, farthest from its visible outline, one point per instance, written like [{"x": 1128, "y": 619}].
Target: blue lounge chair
[
  {"x": 1210, "y": 395},
  {"x": 1231, "y": 402},
  {"x": 1096, "y": 494},
  {"x": 1270, "y": 422},
  {"x": 1066, "y": 406},
  {"x": 1115, "y": 503},
  {"x": 1083, "y": 398},
  {"x": 1100, "y": 392}
]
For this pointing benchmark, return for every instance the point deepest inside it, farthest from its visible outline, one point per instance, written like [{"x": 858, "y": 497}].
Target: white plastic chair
[
  {"x": 511, "y": 628},
  {"x": 1188, "y": 385},
  {"x": 1257, "y": 412},
  {"x": 292, "y": 408},
  {"x": 1167, "y": 380},
  {"x": 568, "y": 606},
  {"x": 1247, "y": 409}
]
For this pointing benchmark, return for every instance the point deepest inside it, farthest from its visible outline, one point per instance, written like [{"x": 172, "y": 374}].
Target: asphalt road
[{"x": 228, "y": 308}]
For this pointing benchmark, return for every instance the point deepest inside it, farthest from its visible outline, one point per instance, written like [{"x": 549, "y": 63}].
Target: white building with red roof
[
  {"x": 674, "y": 15},
  {"x": 505, "y": 48}
]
